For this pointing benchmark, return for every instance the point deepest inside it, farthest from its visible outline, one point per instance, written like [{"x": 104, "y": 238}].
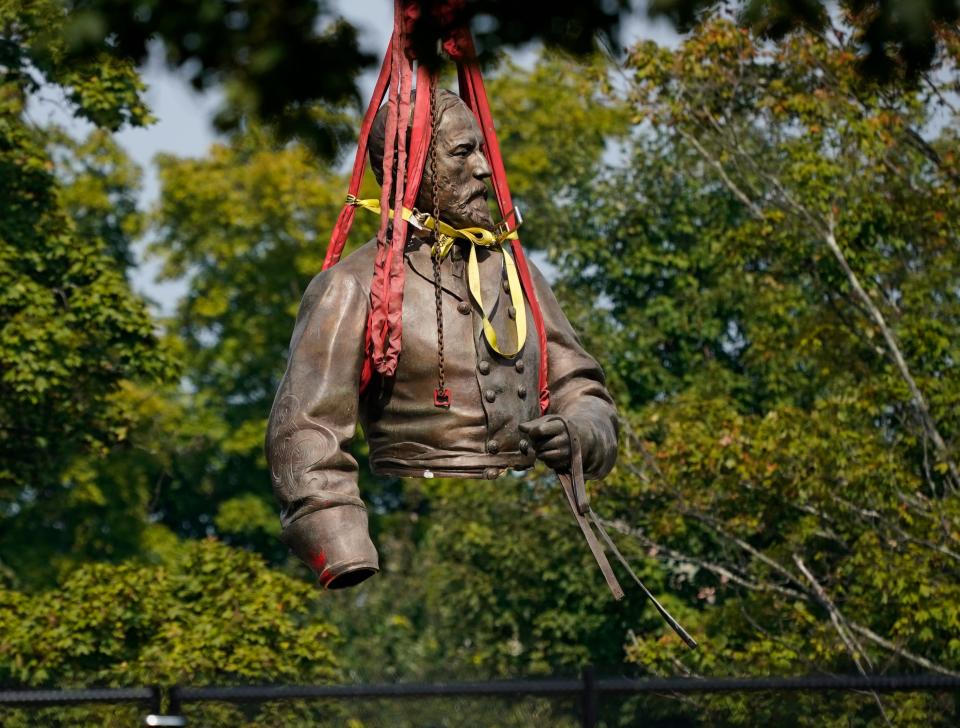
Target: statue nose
[{"x": 481, "y": 168}]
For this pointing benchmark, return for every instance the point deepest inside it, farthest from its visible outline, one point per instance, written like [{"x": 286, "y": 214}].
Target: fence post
[
  {"x": 589, "y": 697},
  {"x": 156, "y": 700},
  {"x": 176, "y": 707},
  {"x": 173, "y": 718}
]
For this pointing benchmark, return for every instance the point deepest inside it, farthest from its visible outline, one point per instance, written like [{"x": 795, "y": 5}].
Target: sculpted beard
[{"x": 464, "y": 205}]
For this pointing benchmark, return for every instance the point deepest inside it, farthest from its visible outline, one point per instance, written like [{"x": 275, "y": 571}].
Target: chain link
[{"x": 441, "y": 395}]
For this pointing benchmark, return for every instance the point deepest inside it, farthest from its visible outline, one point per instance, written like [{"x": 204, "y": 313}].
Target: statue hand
[{"x": 550, "y": 441}]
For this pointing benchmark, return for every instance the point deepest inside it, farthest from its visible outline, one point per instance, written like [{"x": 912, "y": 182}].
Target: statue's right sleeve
[{"x": 311, "y": 427}]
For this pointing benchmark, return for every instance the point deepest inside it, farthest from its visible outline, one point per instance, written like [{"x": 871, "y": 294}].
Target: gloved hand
[{"x": 550, "y": 441}]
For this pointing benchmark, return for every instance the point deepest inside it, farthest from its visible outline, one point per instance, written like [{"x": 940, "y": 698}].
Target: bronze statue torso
[
  {"x": 319, "y": 404},
  {"x": 477, "y": 437}
]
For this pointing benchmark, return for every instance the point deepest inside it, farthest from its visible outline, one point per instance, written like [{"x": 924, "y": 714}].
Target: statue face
[{"x": 462, "y": 171}]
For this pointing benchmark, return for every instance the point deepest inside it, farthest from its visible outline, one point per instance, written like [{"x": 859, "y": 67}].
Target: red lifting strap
[
  {"x": 384, "y": 323},
  {"x": 384, "y": 326}
]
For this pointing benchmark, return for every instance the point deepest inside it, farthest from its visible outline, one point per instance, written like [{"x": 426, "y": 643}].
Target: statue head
[{"x": 462, "y": 168}]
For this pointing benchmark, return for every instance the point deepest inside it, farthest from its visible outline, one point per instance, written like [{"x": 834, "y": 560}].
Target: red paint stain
[{"x": 318, "y": 561}]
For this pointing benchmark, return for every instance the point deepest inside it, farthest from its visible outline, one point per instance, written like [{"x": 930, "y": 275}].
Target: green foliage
[
  {"x": 204, "y": 614},
  {"x": 784, "y": 268},
  {"x": 99, "y": 186},
  {"x": 103, "y": 87},
  {"x": 889, "y": 36},
  {"x": 72, "y": 330}
]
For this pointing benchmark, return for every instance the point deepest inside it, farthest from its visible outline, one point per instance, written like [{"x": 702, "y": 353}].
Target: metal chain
[{"x": 441, "y": 396}]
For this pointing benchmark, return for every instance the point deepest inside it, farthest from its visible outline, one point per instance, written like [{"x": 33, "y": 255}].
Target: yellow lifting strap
[{"x": 475, "y": 236}]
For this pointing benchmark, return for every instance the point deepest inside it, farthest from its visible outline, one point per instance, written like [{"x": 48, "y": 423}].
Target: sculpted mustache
[{"x": 465, "y": 202}]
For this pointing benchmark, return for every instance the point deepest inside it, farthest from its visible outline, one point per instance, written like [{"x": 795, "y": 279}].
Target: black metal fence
[{"x": 587, "y": 690}]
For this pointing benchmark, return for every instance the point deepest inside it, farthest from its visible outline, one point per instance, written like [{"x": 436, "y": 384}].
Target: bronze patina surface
[{"x": 493, "y": 422}]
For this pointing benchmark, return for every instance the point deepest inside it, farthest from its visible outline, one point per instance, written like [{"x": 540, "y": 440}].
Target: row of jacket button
[
  {"x": 493, "y": 446},
  {"x": 483, "y": 366},
  {"x": 491, "y": 396}
]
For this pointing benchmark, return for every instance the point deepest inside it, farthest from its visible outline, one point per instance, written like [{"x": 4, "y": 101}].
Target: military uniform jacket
[{"x": 318, "y": 404}]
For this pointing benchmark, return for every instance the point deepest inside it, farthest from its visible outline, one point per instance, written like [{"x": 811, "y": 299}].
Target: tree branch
[
  {"x": 721, "y": 571},
  {"x": 720, "y": 531},
  {"x": 900, "y": 652},
  {"x": 731, "y": 185},
  {"x": 893, "y": 348},
  {"x": 839, "y": 623},
  {"x": 866, "y": 631},
  {"x": 871, "y": 516},
  {"x": 854, "y": 648}
]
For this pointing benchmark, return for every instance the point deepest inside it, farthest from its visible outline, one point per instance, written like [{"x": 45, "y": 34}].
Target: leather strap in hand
[{"x": 575, "y": 489}]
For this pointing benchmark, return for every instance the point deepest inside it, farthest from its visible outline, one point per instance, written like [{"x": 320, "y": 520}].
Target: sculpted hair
[{"x": 378, "y": 132}]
